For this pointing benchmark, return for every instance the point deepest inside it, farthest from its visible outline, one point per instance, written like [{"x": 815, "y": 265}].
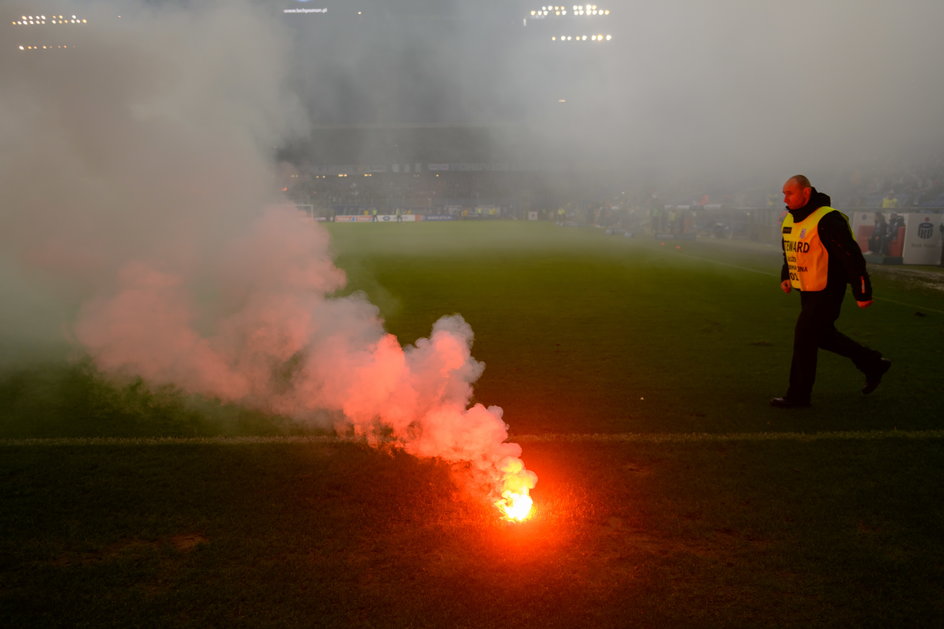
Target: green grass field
[{"x": 634, "y": 373}]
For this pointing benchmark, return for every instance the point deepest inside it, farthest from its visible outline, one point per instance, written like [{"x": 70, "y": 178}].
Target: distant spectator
[
  {"x": 941, "y": 227},
  {"x": 879, "y": 233},
  {"x": 895, "y": 223}
]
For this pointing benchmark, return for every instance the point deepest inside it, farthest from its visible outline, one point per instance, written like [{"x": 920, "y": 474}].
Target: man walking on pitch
[{"x": 820, "y": 258}]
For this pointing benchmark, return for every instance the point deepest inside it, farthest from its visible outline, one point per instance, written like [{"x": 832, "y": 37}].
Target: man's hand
[
  {"x": 785, "y": 286},
  {"x": 864, "y": 304}
]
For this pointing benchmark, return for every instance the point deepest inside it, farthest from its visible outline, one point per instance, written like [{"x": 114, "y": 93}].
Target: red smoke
[
  {"x": 274, "y": 338},
  {"x": 132, "y": 197}
]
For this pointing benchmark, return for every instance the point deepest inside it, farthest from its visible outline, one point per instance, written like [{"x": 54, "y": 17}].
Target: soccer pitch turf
[
  {"x": 582, "y": 332},
  {"x": 636, "y": 376}
]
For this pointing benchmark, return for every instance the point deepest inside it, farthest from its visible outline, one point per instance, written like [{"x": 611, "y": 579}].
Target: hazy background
[
  {"x": 156, "y": 135},
  {"x": 685, "y": 89},
  {"x": 149, "y": 139}
]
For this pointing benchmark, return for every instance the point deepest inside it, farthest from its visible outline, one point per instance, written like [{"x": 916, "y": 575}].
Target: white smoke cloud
[
  {"x": 730, "y": 92},
  {"x": 147, "y": 138},
  {"x": 141, "y": 210},
  {"x": 733, "y": 89}
]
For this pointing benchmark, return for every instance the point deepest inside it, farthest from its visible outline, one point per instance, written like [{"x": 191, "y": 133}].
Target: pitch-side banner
[
  {"x": 378, "y": 218},
  {"x": 863, "y": 226},
  {"x": 922, "y": 239}
]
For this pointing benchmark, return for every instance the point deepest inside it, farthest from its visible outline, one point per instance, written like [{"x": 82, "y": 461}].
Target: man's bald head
[
  {"x": 801, "y": 180},
  {"x": 796, "y": 192}
]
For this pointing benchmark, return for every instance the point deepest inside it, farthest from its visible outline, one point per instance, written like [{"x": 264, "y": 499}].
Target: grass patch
[
  {"x": 779, "y": 533},
  {"x": 580, "y": 332},
  {"x": 692, "y": 504},
  {"x": 76, "y": 400}
]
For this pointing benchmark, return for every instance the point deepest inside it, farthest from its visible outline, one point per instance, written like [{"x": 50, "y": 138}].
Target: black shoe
[
  {"x": 785, "y": 402},
  {"x": 873, "y": 377}
]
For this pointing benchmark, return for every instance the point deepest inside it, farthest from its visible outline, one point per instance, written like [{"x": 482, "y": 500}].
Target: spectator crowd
[{"x": 606, "y": 200}]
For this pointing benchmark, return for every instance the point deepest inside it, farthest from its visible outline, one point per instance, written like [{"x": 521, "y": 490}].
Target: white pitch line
[
  {"x": 901, "y": 303},
  {"x": 640, "y": 437},
  {"x": 703, "y": 437},
  {"x": 733, "y": 266},
  {"x": 172, "y": 441}
]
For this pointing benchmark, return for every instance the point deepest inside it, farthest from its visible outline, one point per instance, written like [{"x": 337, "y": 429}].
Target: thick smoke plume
[{"x": 140, "y": 220}]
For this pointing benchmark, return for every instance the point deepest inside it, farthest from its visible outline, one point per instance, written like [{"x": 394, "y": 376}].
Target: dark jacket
[{"x": 846, "y": 263}]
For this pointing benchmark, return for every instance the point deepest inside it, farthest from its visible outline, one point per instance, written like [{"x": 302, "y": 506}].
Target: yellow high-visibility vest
[{"x": 807, "y": 258}]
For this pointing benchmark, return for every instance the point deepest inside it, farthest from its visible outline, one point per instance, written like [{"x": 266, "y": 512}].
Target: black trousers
[{"x": 815, "y": 330}]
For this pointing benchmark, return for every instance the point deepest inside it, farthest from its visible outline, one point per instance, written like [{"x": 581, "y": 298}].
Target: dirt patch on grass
[
  {"x": 132, "y": 548},
  {"x": 187, "y": 542},
  {"x": 928, "y": 278}
]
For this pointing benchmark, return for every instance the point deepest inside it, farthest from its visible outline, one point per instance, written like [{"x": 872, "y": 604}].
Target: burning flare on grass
[
  {"x": 515, "y": 507},
  {"x": 515, "y": 502}
]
